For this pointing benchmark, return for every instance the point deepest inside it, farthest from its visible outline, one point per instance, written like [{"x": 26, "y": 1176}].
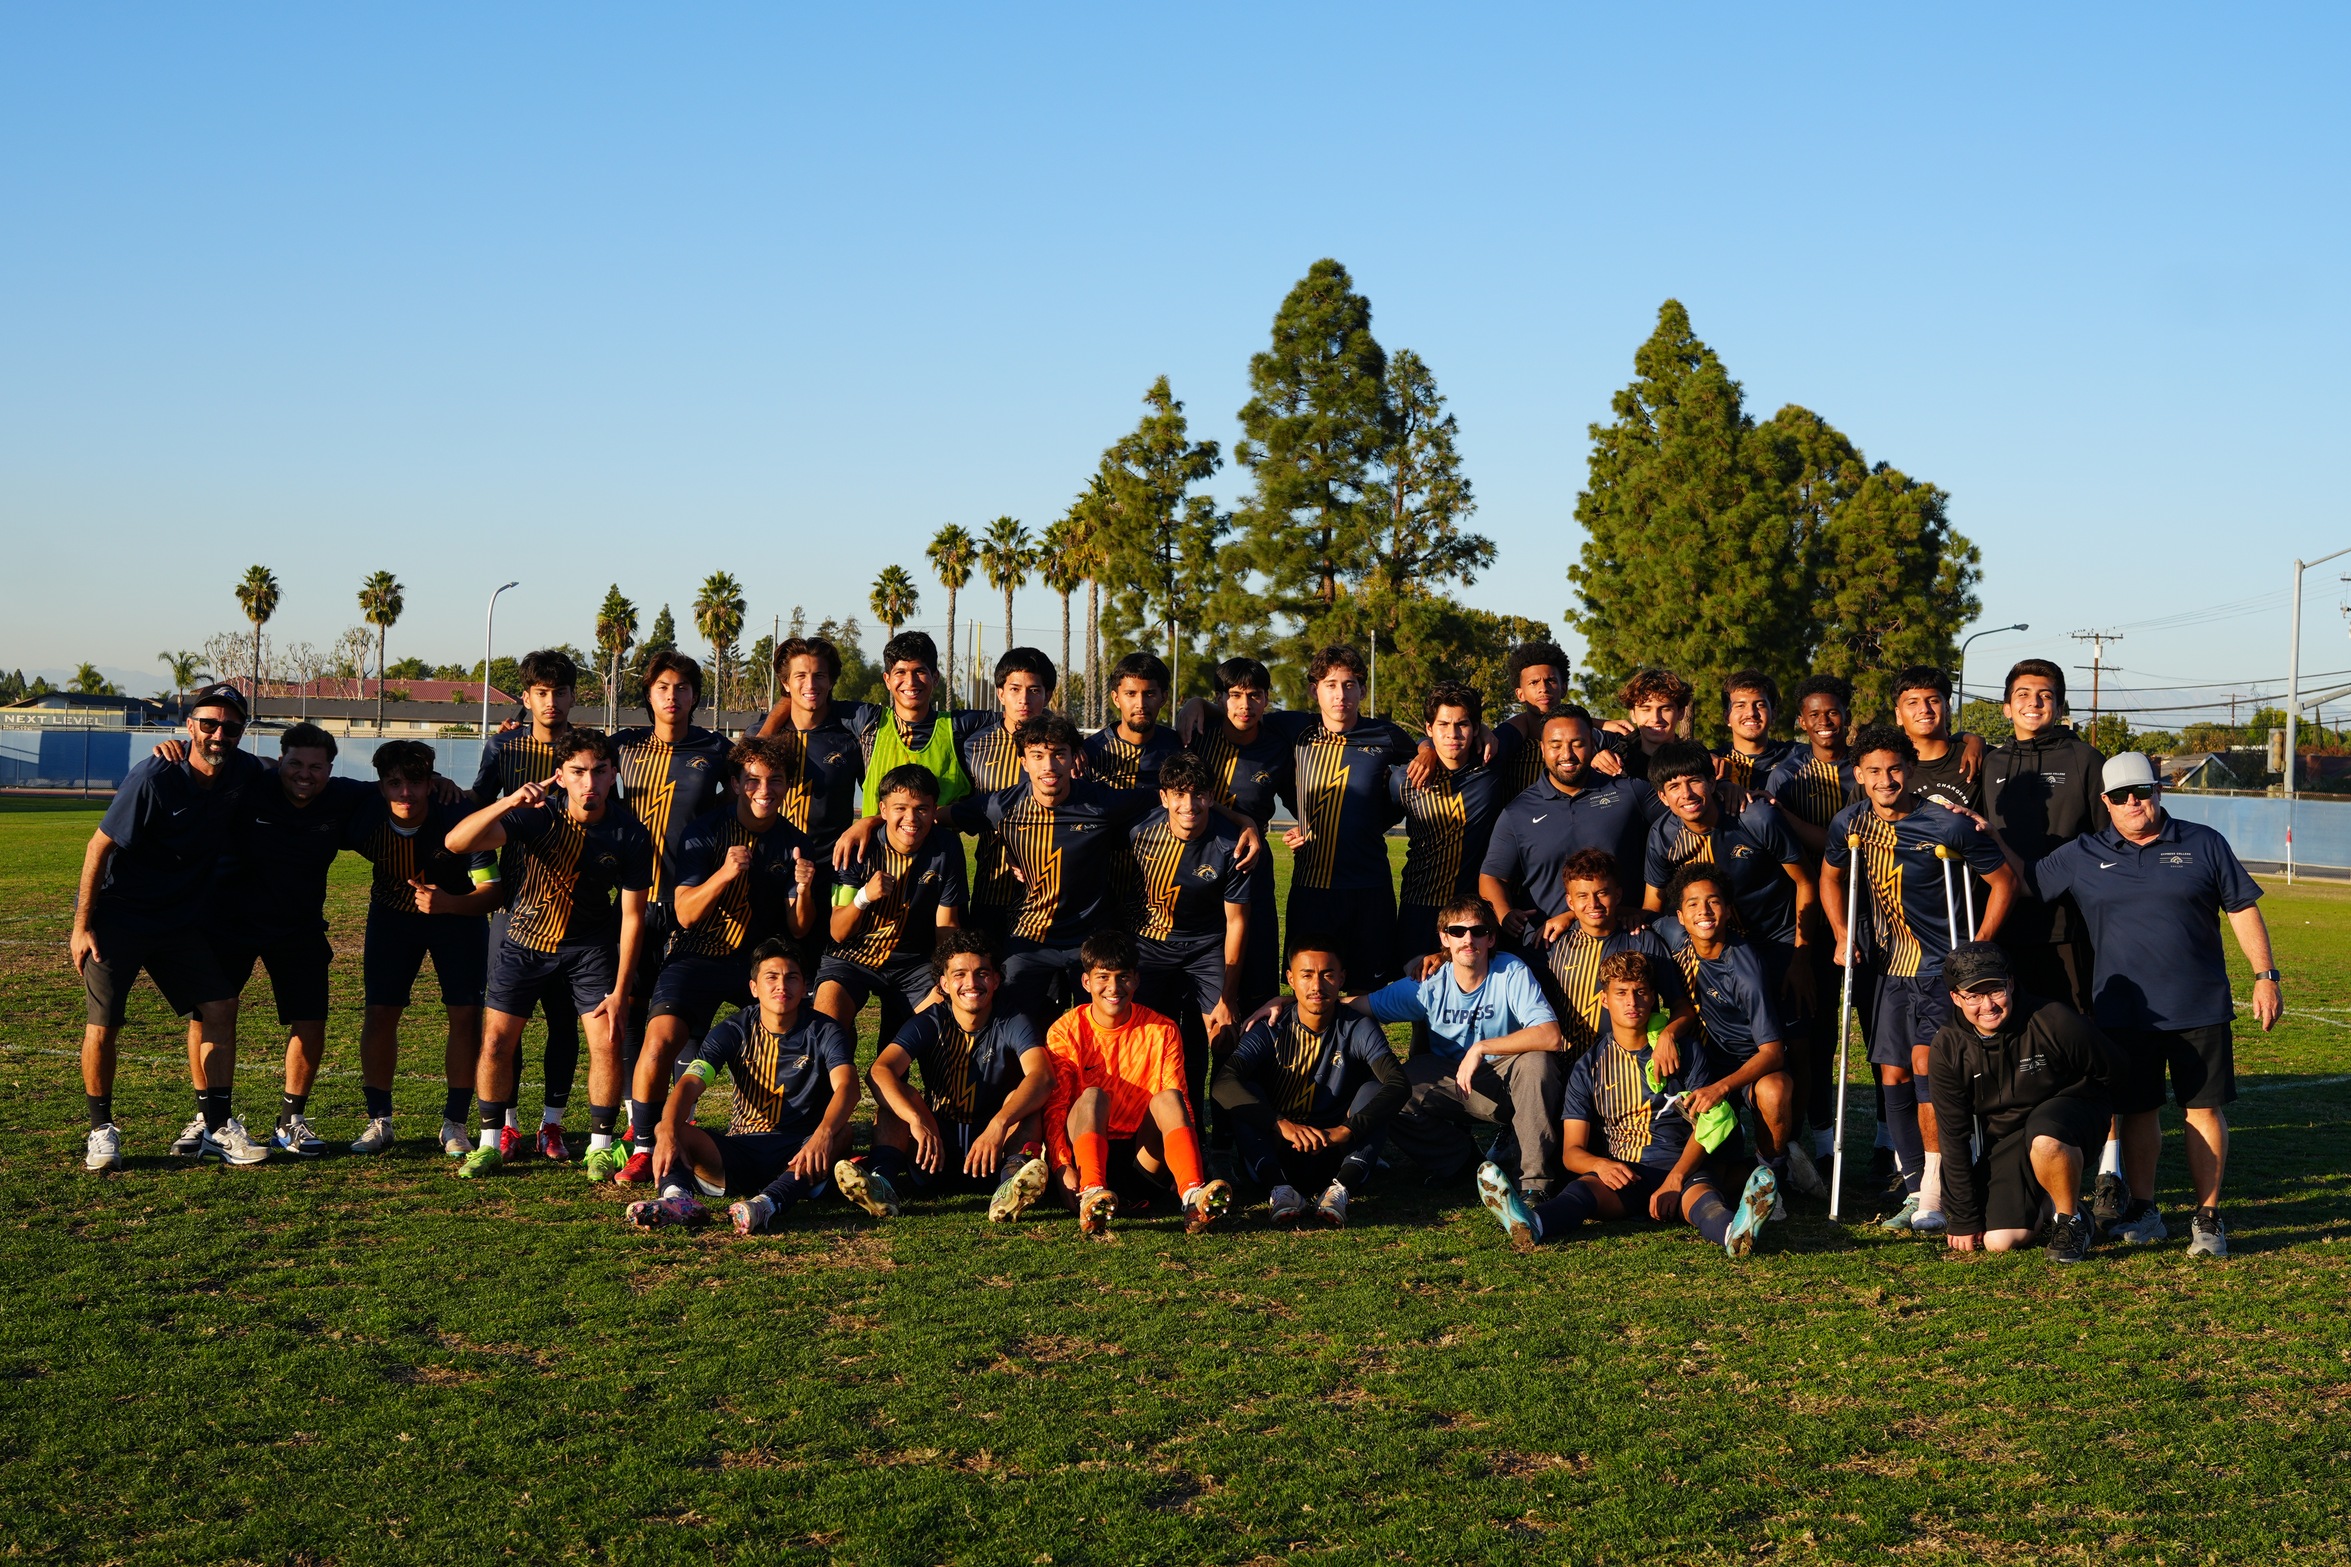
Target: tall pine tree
[{"x": 1162, "y": 545}]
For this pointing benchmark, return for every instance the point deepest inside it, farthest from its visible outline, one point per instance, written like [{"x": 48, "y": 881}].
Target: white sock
[
  {"x": 490, "y": 1138},
  {"x": 1930, "y": 1186},
  {"x": 675, "y": 1189},
  {"x": 2110, "y": 1162},
  {"x": 510, "y": 1120},
  {"x": 599, "y": 1140},
  {"x": 551, "y": 1116}
]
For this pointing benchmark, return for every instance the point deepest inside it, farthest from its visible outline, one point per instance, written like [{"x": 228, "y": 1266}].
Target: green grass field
[{"x": 367, "y": 1361}]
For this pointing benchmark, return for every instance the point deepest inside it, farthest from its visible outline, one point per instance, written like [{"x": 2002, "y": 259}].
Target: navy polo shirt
[
  {"x": 2154, "y": 916},
  {"x": 170, "y": 833},
  {"x": 1541, "y": 830}
]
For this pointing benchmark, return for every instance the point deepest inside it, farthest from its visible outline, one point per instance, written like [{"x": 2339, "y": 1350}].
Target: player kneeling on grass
[
  {"x": 1118, "y": 1122},
  {"x": 795, "y": 1079},
  {"x": 2035, "y": 1077},
  {"x": 986, "y": 1077},
  {"x": 1310, "y": 1092},
  {"x": 1651, "y": 1157}
]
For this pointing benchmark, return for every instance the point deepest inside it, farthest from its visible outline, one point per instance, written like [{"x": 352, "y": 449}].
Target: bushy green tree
[{"x": 1171, "y": 586}]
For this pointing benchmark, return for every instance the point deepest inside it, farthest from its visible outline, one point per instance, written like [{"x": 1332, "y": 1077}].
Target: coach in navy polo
[
  {"x": 2151, "y": 889},
  {"x": 1570, "y": 808}
]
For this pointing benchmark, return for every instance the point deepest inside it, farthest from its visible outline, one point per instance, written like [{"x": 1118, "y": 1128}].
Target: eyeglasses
[
  {"x": 1465, "y": 932},
  {"x": 1984, "y": 988},
  {"x": 2130, "y": 792},
  {"x": 226, "y": 728}
]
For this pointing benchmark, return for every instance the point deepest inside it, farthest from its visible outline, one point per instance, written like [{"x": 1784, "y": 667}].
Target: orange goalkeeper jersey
[{"x": 1131, "y": 1065}]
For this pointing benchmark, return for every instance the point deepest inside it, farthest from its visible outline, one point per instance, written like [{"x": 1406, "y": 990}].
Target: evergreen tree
[
  {"x": 662, "y": 638},
  {"x": 1162, "y": 546},
  {"x": 1895, "y": 584}
]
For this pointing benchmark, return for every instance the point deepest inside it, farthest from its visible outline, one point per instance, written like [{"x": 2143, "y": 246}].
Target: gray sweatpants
[{"x": 1520, "y": 1093}]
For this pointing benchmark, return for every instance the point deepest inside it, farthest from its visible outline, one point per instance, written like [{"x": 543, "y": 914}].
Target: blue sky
[{"x": 585, "y": 295}]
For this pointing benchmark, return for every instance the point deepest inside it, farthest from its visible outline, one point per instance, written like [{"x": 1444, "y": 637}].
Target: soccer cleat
[
  {"x": 1287, "y": 1203},
  {"x": 2110, "y": 1199},
  {"x": 1204, "y": 1205},
  {"x": 454, "y": 1142},
  {"x": 2207, "y": 1237},
  {"x": 376, "y": 1138},
  {"x": 606, "y": 1164},
  {"x": 1097, "y": 1206},
  {"x": 1332, "y": 1209},
  {"x": 1902, "y": 1218},
  {"x": 230, "y": 1144},
  {"x": 1755, "y": 1205},
  {"x": 1502, "y": 1200},
  {"x": 551, "y": 1142},
  {"x": 190, "y": 1139},
  {"x": 103, "y": 1151},
  {"x": 751, "y": 1215},
  {"x": 511, "y": 1144},
  {"x": 1803, "y": 1174},
  {"x": 300, "y": 1139},
  {"x": 639, "y": 1170},
  {"x": 1930, "y": 1221},
  {"x": 1017, "y": 1190},
  {"x": 869, "y": 1189},
  {"x": 677, "y": 1208},
  {"x": 2145, "y": 1230},
  {"x": 2069, "y": 1237},
  {"x": 481, "y": 1162}
]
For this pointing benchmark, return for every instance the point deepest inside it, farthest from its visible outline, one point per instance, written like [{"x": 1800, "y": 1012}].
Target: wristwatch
[{"x": 2269, "y": 974}]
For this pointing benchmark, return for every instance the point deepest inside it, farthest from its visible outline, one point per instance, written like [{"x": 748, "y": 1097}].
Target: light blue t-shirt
[{"x": 1506, "y": 1002}]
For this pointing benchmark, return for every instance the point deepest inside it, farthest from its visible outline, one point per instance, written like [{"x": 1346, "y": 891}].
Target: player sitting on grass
[
  {"x": 795, "y": 1080},
  {"x": 1118, "y": 1117},
  {"x": 1310, "y": 1092},
  {"x": 1650, "y": 1158},
  {"x": 985, "y": 1079}
]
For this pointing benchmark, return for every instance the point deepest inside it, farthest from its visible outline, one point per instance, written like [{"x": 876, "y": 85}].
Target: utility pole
[{"x": 2097, "y": 641}]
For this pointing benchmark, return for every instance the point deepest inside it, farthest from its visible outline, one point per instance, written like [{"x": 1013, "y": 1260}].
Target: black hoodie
[
  {"x": 2039, "y": 794},
  {"x": 2044, "y": 1050}
]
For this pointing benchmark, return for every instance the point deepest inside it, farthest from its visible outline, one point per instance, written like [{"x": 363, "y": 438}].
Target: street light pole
[
  {"x": 2294, "y": 698},
  {"x": 489, "y": 625},
  {"x": 1988, "y": 631}
]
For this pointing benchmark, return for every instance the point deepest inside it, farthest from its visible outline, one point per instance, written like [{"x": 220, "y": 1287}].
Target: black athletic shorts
[
  {"x": 398, "y": 943},
  {"x": 2013, "y": 1198},
  {"x": 1360, "y": 922},
  {"x": 902, "y": 981},
  {"x": 695, "y": 985},
  {"x": 653, "y": 938},
  {"x": 1416, "y": 931},
  {"x": 519, "y": 977},
  {"x": 1261, "y": 964},
  {"x": 1181, "y": 974},
  {"x": 297, "y": 967},
  {"x": 1040, "y": 982},
  {"x": 753, "y": 1159},
  {"x": 2201, "y": 1063},
  {"x": 1908, "y": 1013},
  {"x": 181, "y": 962}
]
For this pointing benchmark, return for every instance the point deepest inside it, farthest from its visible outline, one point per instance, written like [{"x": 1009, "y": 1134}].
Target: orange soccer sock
[
  {"x": 1093, "y": 1151},
  {"x": 1183, "y": 1158}
]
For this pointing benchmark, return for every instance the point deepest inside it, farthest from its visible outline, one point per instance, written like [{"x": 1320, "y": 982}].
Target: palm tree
[
  {"x": 186, "y": 669},
  {"x": 616, "y": 628},
  {"x": 895, "y": 597},
  {"x": 718, "y": 615},
  {"x": 258, "y": 594},
  {"x": 1008, "y": 555},
  {"x": 1061, "y": 566},
  {"x": 1088, "y": 521},
  {"x": 88, "y": 682},
  {"x": 380, "y": 605},
  {"x": 951, "y": 553}
]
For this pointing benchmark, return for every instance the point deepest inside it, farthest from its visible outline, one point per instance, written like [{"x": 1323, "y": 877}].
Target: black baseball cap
[
  {"x": 219, "y": 694},
  {"x": 1972, "y": 963}
]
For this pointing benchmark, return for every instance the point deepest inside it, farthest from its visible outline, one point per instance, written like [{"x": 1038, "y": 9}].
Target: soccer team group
[{"x": 1625, "y": 959}]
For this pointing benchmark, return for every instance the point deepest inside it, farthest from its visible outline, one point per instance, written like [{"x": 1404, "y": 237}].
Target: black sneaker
[
  {"x": 2109, "y": 1200},
  {"x": 2069, "y": 1238}
]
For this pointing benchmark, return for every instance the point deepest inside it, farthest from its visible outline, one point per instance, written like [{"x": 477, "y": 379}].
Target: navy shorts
[
  {"x": 297, "y": 967},
  {"x": 181, "y": 962},
  {"x": 1360, "y": 922},
  {"x": 398, "y": 944},
  {"x": 1178, "y": 975},
  {"x": 653, "y": 938},
  {"x": 694, "y": 986},
  {"x": 1040, "y": 982},
  {"x": 519, "y": 978},
  {"x": 2201, "y": 1063},
  {"x": 1908, "y": 1013},
  {"x": 903, "y": 982},
  {"x": 754, "y": 1159}
]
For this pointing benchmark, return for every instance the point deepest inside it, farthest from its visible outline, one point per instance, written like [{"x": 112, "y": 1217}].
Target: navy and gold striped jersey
[
  {"x": 509, "y": 761},
  {"x": 1314, "y": 1077},
  {"x": 1249, "y": 775},
  {"x": 1185, "y": 885},
  {"x": 1339, "y": 784},
  {"x": 1116, "y": 762},
  {"x": 1608, "y": 1090},
  {"x": 755, "y": 905},
  {"x": 1447, "y": 824},
  {"x": 1574, "y": 961},
  {"x": 1753, "y": 773},
  {"x": 1065, "y": 852},
  {"x": 1522, "y": 765},
  {"x": 994, "y": 764},
  {"x": 1809, "y": 789},
  {"x": 422, "y": 852},
  {"x": 822, "y": 783},
  {"x": 1754, "y": 850},
  {"x": 905, "y": 920},
  {"x": 572, "y": 872},
  {"x": 1732, "y": 992},
  {"x": 1905, "y": 879},
  {"x": 670, "y": 787},
  {"x": 966, "y": 1076},
  {"x": 783, "y": 1078}
]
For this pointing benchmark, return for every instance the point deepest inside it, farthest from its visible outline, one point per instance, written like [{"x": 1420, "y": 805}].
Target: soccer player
[
  {"x": 1493, "y": 1055},
  {"x": 986, "y": 1077},
  {"x": 1814, "y": 781},
  {"x": 1249, "y": 765},
  {"x": 912, "y": 728},
  {"x": 510, "y": 759},
  {"x": 422, "y": 901},
  {"x": 1309, "y": 1092},
  {"x": 1572, "y": 809},
  {"x": 795, "y": 1079},
  {"x": 1117, "y": 1122},
  {"x": 2034, "y": 1078},
  {"x": 1538, "y": 673},
  {"x": 1733, "y": 986},
  {"x": 1657, "y": 705},
  {"x": 1750, "y": 706},
  {"x": 1596, "y": 902},
  {"x": 1911, "y": 853},
  {"x": 1649, "y": 1159},
  {"x": 1450, "y": 819},
  {"x": 141, "y": 905},
  {"x": 889, "y": 908},
  {"x": 744, "y": 874},
  {"x": 1192, "y": 925},
  {"x": 580, "y": 847},
  {"x": 1947, "y": 765},
  {"x": 1126, "y": 754},
  {"x": 1340, "y": 884},
  {"x": 1025, "y": 683},
  {"x": 824, "y": 771}
]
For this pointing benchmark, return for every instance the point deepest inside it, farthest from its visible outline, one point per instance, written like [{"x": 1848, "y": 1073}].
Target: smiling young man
[
  {"x": 1249, "y": 768},
  {"x": 1126, "y": 753},
  {"x": 1596, "y": 931},
  {"x": 1574, "y": 808},
  {"x": 1025, "y": 683},
  {"x": 1657, "y": 704},
  {"x": 1750, "y": 706},
  {"x": 1448, "y": 820},
  {"x": 2041, "y": 791},
  {"x": 1538, "y": 673},
  {"x": 824, "y": 765},
  {"x": 891, "y": 904},
  {"x": 1192, "y": 915},
  {"x": 586, "y": 863},
  {"x": 1947, "y": 765},
  {"x": 1809, "y": 785},
  {"x": 141, "y": 905},
  {"x": 1911, "y": 854},
  {"x": 913, "y": 728},
  {"x": 1733, "y": 987}
]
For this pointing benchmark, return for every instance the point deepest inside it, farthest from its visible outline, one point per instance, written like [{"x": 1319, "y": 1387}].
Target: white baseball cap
[{"x": 2129, "y": 770}]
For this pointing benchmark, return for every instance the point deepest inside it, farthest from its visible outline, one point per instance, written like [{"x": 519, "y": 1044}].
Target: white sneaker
[
  {"x": 104, "y": 1149},
  {"x": 231, "y": 1145},
  {"x": 2204, "y": 1240},
  {"x": 454, "y": 1142},
  {"x": 2145, "y": 1230},
  {"x": 1332, "y": 1209},
  {"x": 376, "y": 1138},
  {"x": 1803, "y": 1174},
  {"x": 190, "y": 1139},
  {"x": 1930, "y": 1221},
  {"x": 299, "y": 1139},
  {"x": 1287, "y": 1203}
]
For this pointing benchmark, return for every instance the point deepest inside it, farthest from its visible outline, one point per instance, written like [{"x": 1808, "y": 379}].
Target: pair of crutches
[{"x": 1944, "y": 855}]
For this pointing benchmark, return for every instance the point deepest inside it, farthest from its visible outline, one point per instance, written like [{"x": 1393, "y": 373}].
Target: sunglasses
[
  {"x": 226, "y": 728},
  {"x": 1466, "y": 932},
  {"x": 2130, "y": 792}
]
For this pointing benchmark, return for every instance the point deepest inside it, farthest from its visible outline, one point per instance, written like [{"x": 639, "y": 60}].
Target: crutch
[
  {"x": 1946, "y": 855},
  {"x": 1853, "y": 875}
]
